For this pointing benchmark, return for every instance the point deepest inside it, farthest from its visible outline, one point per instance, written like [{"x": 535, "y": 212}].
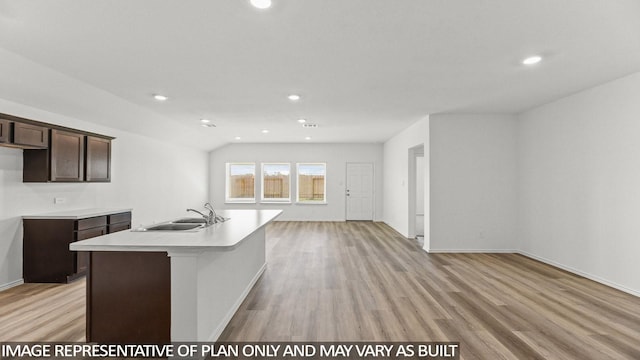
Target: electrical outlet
[{"x": 59, "y": 200}]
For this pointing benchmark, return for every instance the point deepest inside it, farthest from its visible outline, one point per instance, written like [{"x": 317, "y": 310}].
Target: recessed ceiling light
[
  {"x": 205, "y": 121},
  {"x": 531, "y": 60},
  {"x": 237, "y": 138},
  {"x": 160, "y": 97},
  {"x": 302, "y": 121},
  {"x": 261, "y": 4},
  {"x": 265, "y": 131},
  {"x": 308, "y": 138},
  {"x": 294, "y": 97}
]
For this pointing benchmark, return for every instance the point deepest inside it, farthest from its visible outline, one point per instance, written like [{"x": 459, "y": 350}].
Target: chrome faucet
[
  {"x": 216, "y": 218},
  {"x": 212, "y": 217},
  {"x": 208, "y": 218}
]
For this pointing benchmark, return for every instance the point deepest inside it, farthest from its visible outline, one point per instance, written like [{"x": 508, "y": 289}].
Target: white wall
[
  {"x": 159, "y": 181},
  {"x": 473, "y": 182},
  {"x": 396, "y": 172},
  {"x": 579, "y": 182},
  {"x": 335, "y": 155}
]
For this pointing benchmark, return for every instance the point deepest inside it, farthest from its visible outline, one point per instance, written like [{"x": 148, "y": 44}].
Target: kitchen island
[{"x": 162, "y": 286}]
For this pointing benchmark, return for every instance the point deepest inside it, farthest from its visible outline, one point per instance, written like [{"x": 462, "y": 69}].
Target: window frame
[
  {"x": 311, "y": 202},
  {"x": 286, "y": 200},
  {"x": 230, "y": 200}
]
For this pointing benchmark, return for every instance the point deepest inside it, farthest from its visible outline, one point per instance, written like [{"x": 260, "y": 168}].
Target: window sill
[
  {"x": 311, "y": 203},
  {"x": 275, "y": 202}
]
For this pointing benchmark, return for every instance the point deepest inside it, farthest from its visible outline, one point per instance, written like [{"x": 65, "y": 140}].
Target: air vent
[
  {"x": 310, "y": 125},
  {"x": 209, "y": 125}
]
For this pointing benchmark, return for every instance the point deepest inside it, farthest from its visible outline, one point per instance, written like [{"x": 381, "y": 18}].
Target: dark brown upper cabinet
[
  {"x": 67, "y": 156},
  {"x": 32, "y": 136},
  {"x": 4, "y": 130},
  {"x": 54, "y": 153},
  {"x": 98, "y": 159},
  {"x": 23, "y": 135},
  {"x": 71, "y": 157}
]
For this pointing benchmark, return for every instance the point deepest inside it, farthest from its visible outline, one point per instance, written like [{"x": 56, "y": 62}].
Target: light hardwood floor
[
  {"x": 360, "y": 281},
  {"x": 43, "y": 312}
]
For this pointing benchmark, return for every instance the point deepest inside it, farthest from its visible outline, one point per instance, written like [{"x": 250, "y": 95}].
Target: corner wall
[
  {"x": 158, "y": 180},
  {"x": 473, "y": 183},
  {"x": 396, "y": 177},
  {"x": 579, "y": 183}
]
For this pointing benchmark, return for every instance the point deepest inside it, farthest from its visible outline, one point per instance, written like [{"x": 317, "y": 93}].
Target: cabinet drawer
[
  {"x": 91, "y": 222},
  {"x": 121, "y": 217},
  {"x": 91, "y": 233},
  {"x": 30, "y": 135},
  {"x": 119, "y": 227}
]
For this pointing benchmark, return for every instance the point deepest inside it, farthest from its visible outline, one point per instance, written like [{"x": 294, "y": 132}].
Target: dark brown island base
[{"x": 155, "y": 287}]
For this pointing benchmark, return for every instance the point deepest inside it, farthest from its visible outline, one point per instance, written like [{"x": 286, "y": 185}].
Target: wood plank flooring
[
  {"x": 43, "y": 312},
  {"x": 359, "y": 281}
]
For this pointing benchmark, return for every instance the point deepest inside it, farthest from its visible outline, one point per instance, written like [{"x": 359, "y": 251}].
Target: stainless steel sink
[
  {"x": 173, "y": 227},
  {"x": 184, "y": 224},
  {"x": 189, "y": 221}
]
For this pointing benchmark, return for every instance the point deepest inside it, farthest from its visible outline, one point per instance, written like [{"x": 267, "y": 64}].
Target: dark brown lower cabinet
[
  {"x": 129, "y": 297},
  {"x": 46, "y": 254}
]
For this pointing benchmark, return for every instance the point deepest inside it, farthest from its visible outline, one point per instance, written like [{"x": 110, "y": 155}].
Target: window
[
  {"x": 276, "y": 182},
  {"x": 312, "y": 187},
  {"x": 241, "y": 182}
]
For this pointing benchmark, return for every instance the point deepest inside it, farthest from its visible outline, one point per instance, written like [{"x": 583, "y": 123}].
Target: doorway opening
[{"x": 416, "y": 189}]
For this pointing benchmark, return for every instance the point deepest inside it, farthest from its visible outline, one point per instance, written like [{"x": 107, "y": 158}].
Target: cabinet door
[
  {"x": 4, "y": 130},
  {"x": 67, "y": 156},
  {"x": 30, "y": 135},
  {"x": 98, "y": 162},
  {"x": 46, "y": 255}
]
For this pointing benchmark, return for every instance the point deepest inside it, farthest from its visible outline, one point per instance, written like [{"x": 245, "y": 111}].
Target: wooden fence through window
[
  {"x": 310, "y": 187},
  {"x": 242, "y": 186}
]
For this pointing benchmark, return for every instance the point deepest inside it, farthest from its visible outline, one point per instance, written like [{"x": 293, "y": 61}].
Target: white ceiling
[{"x": 365, "y": 69}]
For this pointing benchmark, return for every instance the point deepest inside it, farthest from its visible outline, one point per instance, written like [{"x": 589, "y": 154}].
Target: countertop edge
[
  {"x": 81, "y": 214},
  {"x": 171, "y": 248}
]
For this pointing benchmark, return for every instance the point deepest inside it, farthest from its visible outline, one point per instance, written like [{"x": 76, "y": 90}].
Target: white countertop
[
  {"x": 221, "y": 236},
  {"x": 77, "y": 214}
]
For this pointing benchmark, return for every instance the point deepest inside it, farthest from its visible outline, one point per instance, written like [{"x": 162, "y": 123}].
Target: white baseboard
[
  {"x": 11, "y": 284},
  {"x": 541, "y": 259},
  {"x": 225, "y": 321},
  {"x": 582, "y": 273}
]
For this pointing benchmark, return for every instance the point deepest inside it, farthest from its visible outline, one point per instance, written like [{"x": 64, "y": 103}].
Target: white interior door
[{"x": 359, "y": 191}]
